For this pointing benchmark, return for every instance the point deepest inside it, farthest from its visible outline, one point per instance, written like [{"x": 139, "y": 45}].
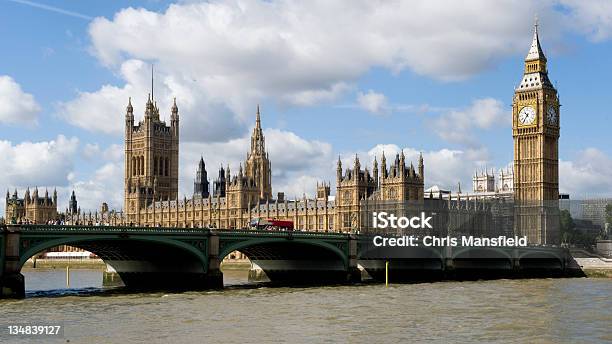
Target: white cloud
[
  {"x": 202, "y": 119},
  {"x": 589, "y": 175},
  {"x": 92, "y": 151},
  {"x": 105, "y": 185},
  {"x": 459, "y": 126},
  {"x": 221, "y": 58},
  {"x": 37, "y": 163},
  {"x": 593, "y": 17},
  {"x": 31, "y": 164},
  {"x": 444, "y": 167},
  {"x": 18, "y": 107},
  {"x": 297, "y": 163},
  {"x": 373, "y": 102}
]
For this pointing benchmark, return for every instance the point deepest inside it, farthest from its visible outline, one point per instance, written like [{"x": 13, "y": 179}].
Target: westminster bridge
[{"x": 189, "y": 258}]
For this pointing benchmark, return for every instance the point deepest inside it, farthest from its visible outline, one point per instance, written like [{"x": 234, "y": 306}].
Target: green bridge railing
[{"x": 169, "y": 230}]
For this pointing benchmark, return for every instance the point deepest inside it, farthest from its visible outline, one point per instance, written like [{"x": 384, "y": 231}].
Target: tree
[
  {"x": 606, "y": 230},
  {"x": 567, "y": 225}
]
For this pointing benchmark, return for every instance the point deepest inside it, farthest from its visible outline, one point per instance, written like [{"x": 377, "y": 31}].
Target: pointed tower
[
  {"x": 338, "y": 170},
  {"x": 535, "y": 129},
  {"x": 257, "y": 165},
  {"x": 151, "y": 158},
  {"x": 201, "y": 184},
  {"x": 375, "y": 171},
  {"x": 72, "y": 204},
  {"x": 219, "y": 184},
  {"x": 421, "y": 167}
]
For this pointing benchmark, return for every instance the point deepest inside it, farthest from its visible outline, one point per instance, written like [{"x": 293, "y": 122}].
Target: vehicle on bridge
[{"x": 271, "y": 224}]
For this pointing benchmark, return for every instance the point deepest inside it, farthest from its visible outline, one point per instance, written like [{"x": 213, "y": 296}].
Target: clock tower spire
[{"x": 535, "y": 129}]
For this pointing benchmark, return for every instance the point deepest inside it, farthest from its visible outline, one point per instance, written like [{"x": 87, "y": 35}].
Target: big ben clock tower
[{"x": 535, "y": 129}]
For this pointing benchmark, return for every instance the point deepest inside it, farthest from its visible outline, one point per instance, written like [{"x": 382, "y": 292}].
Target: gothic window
[
  {"x": 347, "y": 197},
  {"x": 167, "y": 167},
  {"x": 155, "y": 170},
  {"x": 346, "y": 220}
]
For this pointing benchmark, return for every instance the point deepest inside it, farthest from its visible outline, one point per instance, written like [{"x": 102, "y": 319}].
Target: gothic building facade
[
  {"x": 32, "y": 208},
  {"x": 151, "y": 159},
  {"x": 487, "y": 183},
  {"x": 151, "y": 192}
]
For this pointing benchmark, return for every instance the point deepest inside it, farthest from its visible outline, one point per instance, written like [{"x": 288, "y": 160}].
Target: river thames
[{"x": 502, "y": 311}]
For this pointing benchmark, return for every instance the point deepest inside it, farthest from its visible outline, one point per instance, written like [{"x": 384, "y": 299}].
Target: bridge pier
[
  {"x": 353, "y": 272},
  {"x": 214, "y": 277},
  {"x": 12, "y": 282}
]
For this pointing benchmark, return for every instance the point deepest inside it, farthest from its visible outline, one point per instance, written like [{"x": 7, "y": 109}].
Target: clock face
[
  {"x": 527, "y": 115},
  {"x": 551, "y": 115}
]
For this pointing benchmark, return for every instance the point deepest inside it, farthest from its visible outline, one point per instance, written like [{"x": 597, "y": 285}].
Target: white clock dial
[
  {"x": 527, "y": 115},
  {"x": 551, "y": 115}
]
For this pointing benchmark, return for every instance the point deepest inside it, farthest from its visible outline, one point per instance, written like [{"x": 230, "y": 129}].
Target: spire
[
  {"x": 201, "y": 164},
  {"x": 535, "y": 51},
  {"x": 421, "y": 166},
  {"x": 174, "y": 109},
  {"x": 152, "y": 97},
  {"x": 130, "y": 108},
  {"x": 258, "y": 145}
]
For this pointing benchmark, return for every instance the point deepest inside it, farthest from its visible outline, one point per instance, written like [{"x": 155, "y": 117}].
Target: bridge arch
[
  {"x": 291, "y": 259},
  {"x": 245, "y": 245},
  {"x": 542, "y": 259},
  {"x": 78, "y": 242},
  {"x": 484, "y": 252},
  {"x": 142, "y": 261}
]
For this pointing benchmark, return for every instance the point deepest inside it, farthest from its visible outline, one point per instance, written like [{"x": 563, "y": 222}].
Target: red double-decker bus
[{"x": 271, "y": 224}]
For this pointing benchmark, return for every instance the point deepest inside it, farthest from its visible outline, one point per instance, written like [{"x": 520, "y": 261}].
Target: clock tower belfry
[{"x": 535, "y": 129}]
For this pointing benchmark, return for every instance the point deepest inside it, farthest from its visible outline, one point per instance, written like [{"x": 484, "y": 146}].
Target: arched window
[
  {"x": 155, "y": 167},
  {"x": 167, "y": 167},
  {"x": 142, "y": 166},
  {"x": 133, "y": 166}
]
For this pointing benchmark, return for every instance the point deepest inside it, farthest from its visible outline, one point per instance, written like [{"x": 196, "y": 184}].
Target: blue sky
[{"x": 333, "y": 78}]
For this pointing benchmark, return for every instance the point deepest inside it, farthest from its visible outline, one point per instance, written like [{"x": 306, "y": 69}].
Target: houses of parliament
[
  {"x": 232, "y": 200},
  {"x": 151, "y": 184}
]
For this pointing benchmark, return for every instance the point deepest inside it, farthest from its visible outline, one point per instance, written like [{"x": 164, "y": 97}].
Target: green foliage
[
  {"x": 566, "y": 221},
  {"x": 570, "y": 235},
  {"x": 609, "y": 213}
]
